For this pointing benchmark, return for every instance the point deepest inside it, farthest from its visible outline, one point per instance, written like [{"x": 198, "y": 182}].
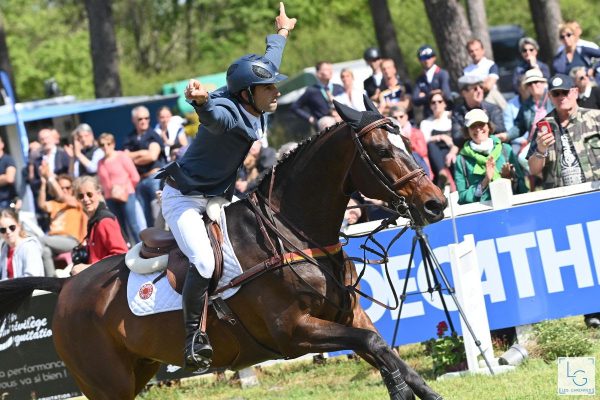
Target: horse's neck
[{"x": 311, "y": 194}]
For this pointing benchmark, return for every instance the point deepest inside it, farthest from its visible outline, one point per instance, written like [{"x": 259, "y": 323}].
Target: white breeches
[{"x": 183, "y": 214}]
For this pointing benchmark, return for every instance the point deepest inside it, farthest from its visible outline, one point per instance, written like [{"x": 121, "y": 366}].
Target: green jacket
[{"x": 467, "y": 181}]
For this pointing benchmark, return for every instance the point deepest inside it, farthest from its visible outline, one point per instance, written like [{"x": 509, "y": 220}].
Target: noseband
[{"x": 398, "y": 202}]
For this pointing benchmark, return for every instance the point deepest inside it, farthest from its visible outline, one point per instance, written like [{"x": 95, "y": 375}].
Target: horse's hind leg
[
  {"x": 313, "y": 335},
  {"x": 144, "y": 371},
  {"x": 101, "y": 371}
]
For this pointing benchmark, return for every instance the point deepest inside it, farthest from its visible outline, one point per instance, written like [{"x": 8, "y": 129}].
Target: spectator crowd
[{"x": 95, "y": 198}]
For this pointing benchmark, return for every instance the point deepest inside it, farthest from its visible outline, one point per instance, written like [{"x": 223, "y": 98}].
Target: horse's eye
[{"x": 384, "y": 152}]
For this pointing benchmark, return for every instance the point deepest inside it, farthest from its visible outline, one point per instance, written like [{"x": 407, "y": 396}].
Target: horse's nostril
[{"x": 434, "y": 207}]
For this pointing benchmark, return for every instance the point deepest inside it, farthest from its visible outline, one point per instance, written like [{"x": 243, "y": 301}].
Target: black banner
[{"x": 29, "y": 365}]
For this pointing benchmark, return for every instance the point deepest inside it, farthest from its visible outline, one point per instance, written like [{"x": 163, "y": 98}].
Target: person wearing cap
[
  {"x": 532, "y": 110},
  {"x": 317, "y": 101},
  {"x": 486, "y": 69},
  {"x": 471, "y": 91},
  {"x": 371, "y": 85},
  {"x": 232, "y": 120},
  {"x": 433, "y": 77},
  {"x": 565, "y": 146},
  {"x": 483, "y": 159},
  {"x": 589, "y": 93},
  {"x": 528, "y": 47}
]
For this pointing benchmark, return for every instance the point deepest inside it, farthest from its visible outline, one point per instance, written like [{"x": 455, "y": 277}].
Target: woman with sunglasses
[
  {"x": 528, "y": 47},
  {"x": 573, "y": 54},
  {"x": 104, "y": 236},
  {"x": 20, "y": 255},
  {"x": 437, "y": 132}
]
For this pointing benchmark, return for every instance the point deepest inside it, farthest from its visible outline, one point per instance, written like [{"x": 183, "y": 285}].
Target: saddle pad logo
[{"x": 146, "y": 291}]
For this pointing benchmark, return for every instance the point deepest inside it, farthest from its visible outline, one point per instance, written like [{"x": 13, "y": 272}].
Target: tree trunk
[
  {"x": 546, "y": 17},
  {"x": 4, "y": 57},
  {"x": 103, "y": 44},
  {"x": 451, "y": 31},
  {"x": 386, "y": 36},
  {"x": 479, "y": 26}
]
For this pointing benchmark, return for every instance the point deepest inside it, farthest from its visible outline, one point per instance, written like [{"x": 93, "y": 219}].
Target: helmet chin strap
[{"x": 251, "y": 101}]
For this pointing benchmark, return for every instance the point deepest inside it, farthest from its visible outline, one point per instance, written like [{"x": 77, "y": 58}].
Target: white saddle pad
[{"x": 146, "y": 298}]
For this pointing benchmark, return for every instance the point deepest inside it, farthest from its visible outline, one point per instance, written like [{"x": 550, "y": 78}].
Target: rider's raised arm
[{"x": 275, "y": 43}]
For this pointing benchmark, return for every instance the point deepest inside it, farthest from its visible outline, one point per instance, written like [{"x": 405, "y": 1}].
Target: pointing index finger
[{"x": 281, "y": 9}]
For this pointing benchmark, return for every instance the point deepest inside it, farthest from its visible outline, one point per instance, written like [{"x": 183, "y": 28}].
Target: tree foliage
[{"x": 161, "y": 41}]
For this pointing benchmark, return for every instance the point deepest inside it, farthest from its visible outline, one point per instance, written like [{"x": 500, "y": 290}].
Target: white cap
[
  {"x": 476, "y": 115},
  {"x": 533, "y": 75}
]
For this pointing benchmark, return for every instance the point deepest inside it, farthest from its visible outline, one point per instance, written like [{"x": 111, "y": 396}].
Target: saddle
[{"x": 158, "y": 243}]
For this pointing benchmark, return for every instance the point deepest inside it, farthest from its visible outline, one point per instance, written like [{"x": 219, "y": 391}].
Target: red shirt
[
  {"x": 105, "y": 240},
  {"x": 9, "y": 265}
]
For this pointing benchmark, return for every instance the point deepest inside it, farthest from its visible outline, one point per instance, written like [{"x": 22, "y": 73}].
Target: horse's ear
[
  {"x": 350, "y": 115},
  {"x": 369, "y": 105}
]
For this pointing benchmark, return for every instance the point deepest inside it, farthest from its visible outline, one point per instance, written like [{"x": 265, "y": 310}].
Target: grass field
[{"x": 341, "y": 378}]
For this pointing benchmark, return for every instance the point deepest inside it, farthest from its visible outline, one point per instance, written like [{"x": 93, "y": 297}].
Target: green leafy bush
[
  {"x": 559, "y": 339},
  {"x": 447, "y": 352}
]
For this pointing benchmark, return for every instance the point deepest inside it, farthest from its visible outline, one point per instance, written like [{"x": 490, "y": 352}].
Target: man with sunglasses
[
  {"x": 145, "y": 148},
  {"x": 565, "y": 147},
  {"x": 589, "y": 94},
  {"x": 233, "y": 118}
]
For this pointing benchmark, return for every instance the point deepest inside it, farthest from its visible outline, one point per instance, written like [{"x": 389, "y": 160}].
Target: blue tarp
[{"x": 34, "y": 111}]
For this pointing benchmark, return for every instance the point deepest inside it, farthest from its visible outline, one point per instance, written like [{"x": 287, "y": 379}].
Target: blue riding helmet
[{"x": 251, "y": 70}]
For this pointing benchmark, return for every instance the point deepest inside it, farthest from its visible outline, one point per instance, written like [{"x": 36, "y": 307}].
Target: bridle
[{"x": 398, "y": 202}]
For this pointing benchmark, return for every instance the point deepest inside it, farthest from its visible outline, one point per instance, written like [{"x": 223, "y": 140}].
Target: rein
[{"x": 268, "y": 219}]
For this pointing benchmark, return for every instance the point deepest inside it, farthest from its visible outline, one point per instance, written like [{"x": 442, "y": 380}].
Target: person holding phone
[{"x": 565, "y": 147}]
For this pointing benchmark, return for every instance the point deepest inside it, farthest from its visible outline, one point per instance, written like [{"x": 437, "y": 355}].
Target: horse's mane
[{"x": 291, "y": 155}]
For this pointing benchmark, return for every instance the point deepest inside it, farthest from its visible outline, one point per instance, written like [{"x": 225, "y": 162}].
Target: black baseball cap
[{"x": 561, "y": 82}]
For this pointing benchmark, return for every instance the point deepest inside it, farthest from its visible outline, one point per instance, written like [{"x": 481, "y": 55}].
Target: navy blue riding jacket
[{"x": 225, "y": 135}]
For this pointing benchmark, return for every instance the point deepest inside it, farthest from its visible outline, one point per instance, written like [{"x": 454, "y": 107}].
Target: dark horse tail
[{"x": 14, "y": 292}]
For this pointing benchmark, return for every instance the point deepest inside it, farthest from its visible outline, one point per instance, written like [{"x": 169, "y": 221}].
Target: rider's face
[{"x": 265, "y": 97}]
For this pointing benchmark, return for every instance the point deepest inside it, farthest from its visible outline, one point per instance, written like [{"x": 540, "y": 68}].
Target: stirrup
[{"x": 198, "y": 355}]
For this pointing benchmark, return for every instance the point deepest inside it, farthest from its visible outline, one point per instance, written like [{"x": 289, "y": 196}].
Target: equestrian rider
[{"x": 232, "y": 119}]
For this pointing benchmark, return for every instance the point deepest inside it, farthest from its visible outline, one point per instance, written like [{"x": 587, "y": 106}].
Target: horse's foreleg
[
  {"x": 413, "y": 379},
  {"x": 313, "y": 335}
]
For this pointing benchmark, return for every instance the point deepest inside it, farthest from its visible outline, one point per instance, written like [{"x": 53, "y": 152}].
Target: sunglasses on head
[
  {"x": 89, "y": 195},
  {"x": 12, "y": 228},
  {"x": 566, "y": 35}
]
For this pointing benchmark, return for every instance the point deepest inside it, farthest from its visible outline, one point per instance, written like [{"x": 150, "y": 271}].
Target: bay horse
[{"x": 299, "y": 308}]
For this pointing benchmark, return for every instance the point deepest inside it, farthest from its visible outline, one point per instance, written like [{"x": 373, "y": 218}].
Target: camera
[{"x": 80, "y": 255}]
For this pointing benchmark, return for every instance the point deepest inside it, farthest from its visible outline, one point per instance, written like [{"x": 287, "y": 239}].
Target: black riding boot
[{"x": 198, "y": 351}]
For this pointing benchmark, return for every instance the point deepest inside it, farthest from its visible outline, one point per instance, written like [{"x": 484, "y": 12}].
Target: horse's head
[{"x": 385, "y": 169}]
